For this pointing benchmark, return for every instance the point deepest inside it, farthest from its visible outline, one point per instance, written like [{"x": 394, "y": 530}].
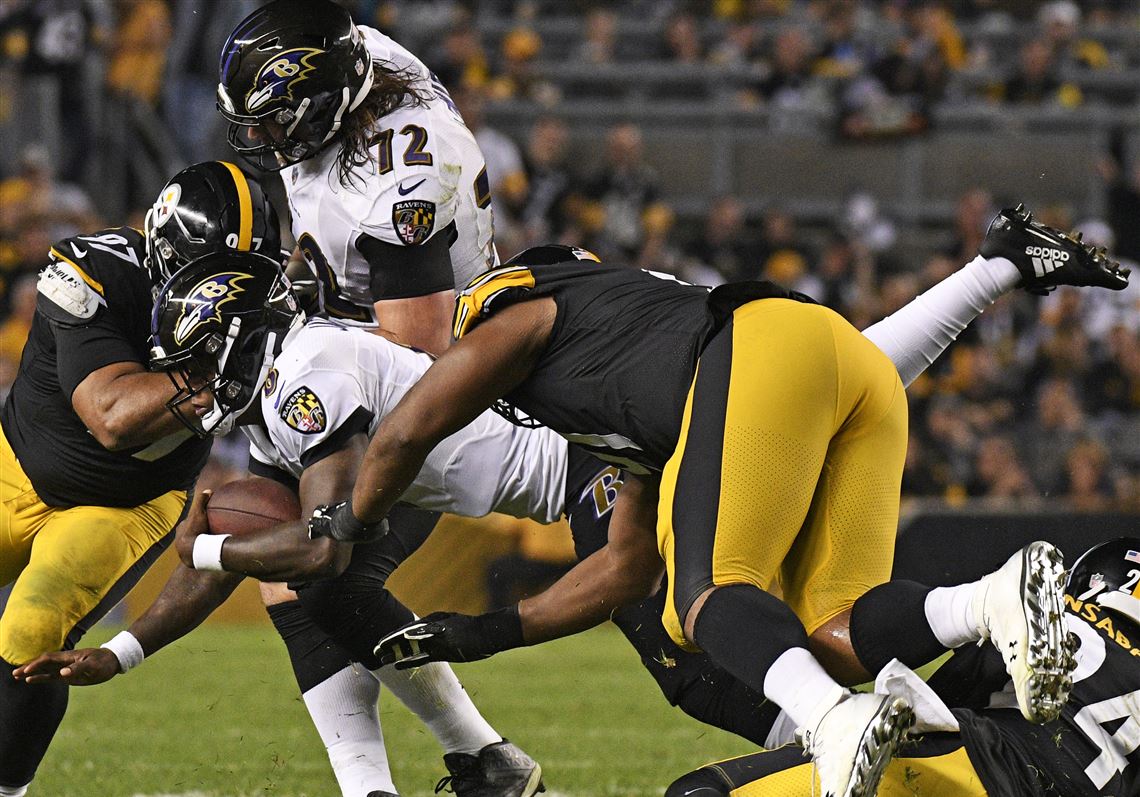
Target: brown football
[{"x": 248, "y": 505}]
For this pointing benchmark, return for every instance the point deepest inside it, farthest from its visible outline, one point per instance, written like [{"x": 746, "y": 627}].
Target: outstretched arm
[
  {"x": 188, "y": 598},
  {"x": 625, "y": 571},
  {"x": 486, "y": 364}
]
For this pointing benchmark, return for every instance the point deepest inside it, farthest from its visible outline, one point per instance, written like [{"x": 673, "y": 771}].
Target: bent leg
[{"x": 81, "y": 562}]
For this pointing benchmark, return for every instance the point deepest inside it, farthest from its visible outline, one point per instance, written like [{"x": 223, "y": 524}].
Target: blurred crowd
[{"x": 1039, "y": 400}]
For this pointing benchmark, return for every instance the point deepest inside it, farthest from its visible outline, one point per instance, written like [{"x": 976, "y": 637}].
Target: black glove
[
  {"x": 337, "y": 522},
  {"x": 445, "y": 636}
]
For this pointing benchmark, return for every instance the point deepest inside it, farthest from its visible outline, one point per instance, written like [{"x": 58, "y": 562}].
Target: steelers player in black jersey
[
  {"x": 607, "y": 357},
  {"x": 94, "y": 469},
  {"x": 1091, "y": 750}
]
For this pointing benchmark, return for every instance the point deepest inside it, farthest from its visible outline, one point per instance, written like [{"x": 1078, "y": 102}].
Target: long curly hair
[{"x": 391, "y": 89}]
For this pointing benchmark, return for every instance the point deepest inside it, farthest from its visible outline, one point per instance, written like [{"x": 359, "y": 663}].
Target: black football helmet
[
  {"x": 217, "y": 325},
  {"x": 1109, "y": 574},
  {"x": 204, "y": 208},
  {"x": 298, "y": 64}
]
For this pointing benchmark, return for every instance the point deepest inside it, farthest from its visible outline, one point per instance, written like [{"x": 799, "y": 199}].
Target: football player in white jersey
[
  {"x": 387, "y": 187},
  {"x": 332, "y": 384}
]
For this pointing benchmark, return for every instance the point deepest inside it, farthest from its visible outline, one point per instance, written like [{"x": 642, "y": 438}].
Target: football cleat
[
  {"x": 1047, "y": 257},
  {"x": 1019, "y": 608},
  {"x": 382, "y": 794},
  {"x": 501, "y": 769},
  {"x": 854, "y": 742}
]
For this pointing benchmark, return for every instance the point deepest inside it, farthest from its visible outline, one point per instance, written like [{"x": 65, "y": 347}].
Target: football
[{"x": 247, "y": 505}]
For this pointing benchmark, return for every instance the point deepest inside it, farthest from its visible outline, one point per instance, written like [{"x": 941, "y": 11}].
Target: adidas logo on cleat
[{"x": 1046, "y": 260}]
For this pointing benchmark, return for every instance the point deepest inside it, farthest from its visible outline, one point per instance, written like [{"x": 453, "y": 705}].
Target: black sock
[
  {"x": 889, "y": 622},
  {"x": 315, "y": 656},
  {"x": 744, "y": 630},
  {"x": 29, "y": 717},
  {"x": 691, "y": 681}
]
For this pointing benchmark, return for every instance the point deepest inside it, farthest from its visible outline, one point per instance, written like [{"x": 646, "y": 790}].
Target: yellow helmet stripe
[
  {"x": 245, "y": 208},
  {"x": 94, "y": 283}
]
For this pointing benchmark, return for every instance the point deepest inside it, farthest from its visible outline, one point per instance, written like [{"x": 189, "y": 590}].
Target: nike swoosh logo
[
  {"x": 405, "y": 191},
  {"x": 78, "y": 252}
]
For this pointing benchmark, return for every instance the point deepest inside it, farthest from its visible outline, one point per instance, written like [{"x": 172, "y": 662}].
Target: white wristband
[
  {"x": 126, "y": 649},
  {"x": 208, "y": 551}
]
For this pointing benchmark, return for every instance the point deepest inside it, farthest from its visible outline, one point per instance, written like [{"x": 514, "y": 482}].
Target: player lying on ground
[
  {"x": 94, "y": 471},
  {"x": 933, "y": 298},
  {"x": 1092, "y": 750}
]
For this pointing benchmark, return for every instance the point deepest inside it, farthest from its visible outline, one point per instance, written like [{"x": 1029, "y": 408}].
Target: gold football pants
[
  {"x": 788, "y": 466},
  {"x": 68, "y": 567},
  {"x": 936, "y": 766}
]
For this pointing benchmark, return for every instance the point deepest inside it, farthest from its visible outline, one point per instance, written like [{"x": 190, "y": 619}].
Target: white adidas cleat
[
  {"x": 855, "y": 740},
  {"x": 1020, "y": 609}
]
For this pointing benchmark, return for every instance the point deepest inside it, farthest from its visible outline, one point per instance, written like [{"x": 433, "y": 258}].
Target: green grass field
[{"x": 218, "y": 715}]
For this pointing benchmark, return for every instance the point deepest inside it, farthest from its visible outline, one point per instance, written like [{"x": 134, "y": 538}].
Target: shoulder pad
[
  {"x": 485, "y": 293},
  {"x": 66, "y": 296}
]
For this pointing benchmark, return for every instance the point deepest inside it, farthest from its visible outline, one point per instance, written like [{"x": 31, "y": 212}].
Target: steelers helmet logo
[
  {"x": 166, "y": 205},
  {"x": 304, "y": 412},
  {"x": 413, "y": 220}
]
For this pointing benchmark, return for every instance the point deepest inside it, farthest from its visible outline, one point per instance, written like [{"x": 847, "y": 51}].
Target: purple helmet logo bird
[{"x": 204, "y": 301}]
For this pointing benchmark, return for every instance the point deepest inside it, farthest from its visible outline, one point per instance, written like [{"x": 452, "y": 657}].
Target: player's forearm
[
  {"x": 585, "y": 597},
  {"x": 188, "y": 598},
  {"x": 284, "y": 553},
  {"x": 131, "y": 411}
]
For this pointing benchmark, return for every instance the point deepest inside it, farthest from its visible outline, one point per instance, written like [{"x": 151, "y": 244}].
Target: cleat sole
[
  {"x": 1049, "y": 652},
  {"x": 882, "y": 738}
]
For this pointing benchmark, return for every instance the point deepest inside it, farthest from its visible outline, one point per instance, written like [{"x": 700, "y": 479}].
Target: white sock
[
  {"x": 799, "y": 685},
  {"x": 949, "y": 610},
  {"x": 915, "y": 335},
  {"x": 434, "y": 694},
  {"x": 343, "y": 708},
  {"x": 14, "y": 791}
]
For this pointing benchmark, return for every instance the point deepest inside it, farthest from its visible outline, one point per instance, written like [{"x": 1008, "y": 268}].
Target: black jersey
[
  {"x": 1093, "y": 749},
  {"x": 622, "y": 353},
  {"x": 93, "y": 310}
]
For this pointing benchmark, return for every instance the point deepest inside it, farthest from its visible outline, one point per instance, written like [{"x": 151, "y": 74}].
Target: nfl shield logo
[{"x": 413, "y": 220}]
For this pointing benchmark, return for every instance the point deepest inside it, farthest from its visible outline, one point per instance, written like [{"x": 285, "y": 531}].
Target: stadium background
[{"x": 852, "y": 150}]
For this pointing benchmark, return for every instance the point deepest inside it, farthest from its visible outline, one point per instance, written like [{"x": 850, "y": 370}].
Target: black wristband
[{"x": 502, "y": 629}]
